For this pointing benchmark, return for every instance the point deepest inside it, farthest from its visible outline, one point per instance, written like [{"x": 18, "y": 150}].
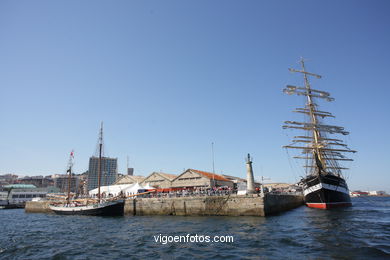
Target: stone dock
[{"x": 233, "y": 205}]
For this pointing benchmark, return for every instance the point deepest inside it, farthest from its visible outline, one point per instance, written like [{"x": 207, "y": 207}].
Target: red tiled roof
[{"x": 210, "y": 175}]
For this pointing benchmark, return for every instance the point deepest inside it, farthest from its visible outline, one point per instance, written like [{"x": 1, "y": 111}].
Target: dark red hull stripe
[{"x": 329, "y": 205}]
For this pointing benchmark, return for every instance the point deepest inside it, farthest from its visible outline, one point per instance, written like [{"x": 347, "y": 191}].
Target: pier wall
[
  {"x": 213, "y": 206},
  {"x": 234, "y": 205},
  {"x": 196, "y": 206},
  {"x": 275, "y": 203},
  {"x": 37, "y": 207}
]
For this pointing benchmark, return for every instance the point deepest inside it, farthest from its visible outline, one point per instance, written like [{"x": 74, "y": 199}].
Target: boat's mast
[
  {"x": 69, "y": 176},
  {"x": 100, "y": 160},
  {"x": 313, "y": 117},
  {"x": 69, "y": 182}
]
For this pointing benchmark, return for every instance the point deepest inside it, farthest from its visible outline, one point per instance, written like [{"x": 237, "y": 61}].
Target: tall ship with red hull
[{"x": 324, "y": 186}]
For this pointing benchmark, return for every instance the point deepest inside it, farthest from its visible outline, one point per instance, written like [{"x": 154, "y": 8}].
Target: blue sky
[{"x": 170, "y": 77}]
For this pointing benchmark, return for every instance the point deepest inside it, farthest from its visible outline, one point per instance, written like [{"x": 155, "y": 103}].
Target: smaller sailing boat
[
  {"x": 324, "y": 185},
  {"x": 90, "y": 206}
]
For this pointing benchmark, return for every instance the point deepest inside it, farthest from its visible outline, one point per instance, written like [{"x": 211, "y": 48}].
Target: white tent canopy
[
  {"x": 148, "y": 187},
  {"x": 126, "y": 189}
]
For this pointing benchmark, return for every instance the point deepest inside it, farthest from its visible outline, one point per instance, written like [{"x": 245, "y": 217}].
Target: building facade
[
  {"x": 37, "y": 181},
  {"x": 61, "y": 182},
  {"x": 159, "y": 180},
  {"x": 130, "y": 179},
  {"x": 130, "y": 171},
  {"x": 237, "y": 181},
  {"x": 195, "y": 179},
  {"x": 8, "y": 179},
  {"x": 109, "y": 171}
]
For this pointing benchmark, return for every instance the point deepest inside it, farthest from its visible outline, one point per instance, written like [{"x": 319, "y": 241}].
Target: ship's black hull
[
  {"x": 326, "y": 192},
  {"x": 116, "y": 209}
]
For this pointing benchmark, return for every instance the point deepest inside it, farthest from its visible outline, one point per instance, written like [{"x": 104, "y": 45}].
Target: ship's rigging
[{"x": 322, "y": 154}]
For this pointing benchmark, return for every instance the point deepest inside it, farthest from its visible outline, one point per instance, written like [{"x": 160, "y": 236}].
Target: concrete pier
[
  {"x": 37, "y": 207},
  {"x": 233, "y": 205}
]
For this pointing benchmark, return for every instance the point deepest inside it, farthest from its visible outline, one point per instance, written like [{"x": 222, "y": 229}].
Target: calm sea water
[{"x": 359, "y": 232}]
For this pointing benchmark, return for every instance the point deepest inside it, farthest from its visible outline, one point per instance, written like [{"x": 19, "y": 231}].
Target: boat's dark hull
[
  {"x": 116, "y": 209},
  {"x": 326, "y": 192},
  {"x": 12, "y": 206}
]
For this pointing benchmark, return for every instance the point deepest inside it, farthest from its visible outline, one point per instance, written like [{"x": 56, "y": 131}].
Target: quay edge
[{"x": 233, "y": 205}]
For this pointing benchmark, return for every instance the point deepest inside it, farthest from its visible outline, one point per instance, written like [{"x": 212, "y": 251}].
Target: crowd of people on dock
[
  {"x": 214, "y": 191},
  {"x": 191, "y": 192},
  {"x": 185, "y": 192},
  {"x": 220, "y": 191}
]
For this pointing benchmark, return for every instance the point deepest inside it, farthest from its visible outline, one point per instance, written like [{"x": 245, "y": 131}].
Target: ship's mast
[
  {"x": 313, "y": 117},
  {"x": 100, "y": 160},
  {"x": 325, "y": 157}
]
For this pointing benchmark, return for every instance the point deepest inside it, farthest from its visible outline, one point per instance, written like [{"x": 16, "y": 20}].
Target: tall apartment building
[
  {"x": 109, "y": 172},
  {"x": 130, "y": 171}
]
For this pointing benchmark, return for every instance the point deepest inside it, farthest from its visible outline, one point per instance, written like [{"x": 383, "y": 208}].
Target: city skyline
[{"x": 170, "y": 78}]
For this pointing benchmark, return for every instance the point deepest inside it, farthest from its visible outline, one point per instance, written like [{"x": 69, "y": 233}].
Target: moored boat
[
  {"x": 326, "y": 191},
  {"x": 324, "y": 186},
  {"x": 103, "y": 208},
  {"x": 99, "y": 206}
]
